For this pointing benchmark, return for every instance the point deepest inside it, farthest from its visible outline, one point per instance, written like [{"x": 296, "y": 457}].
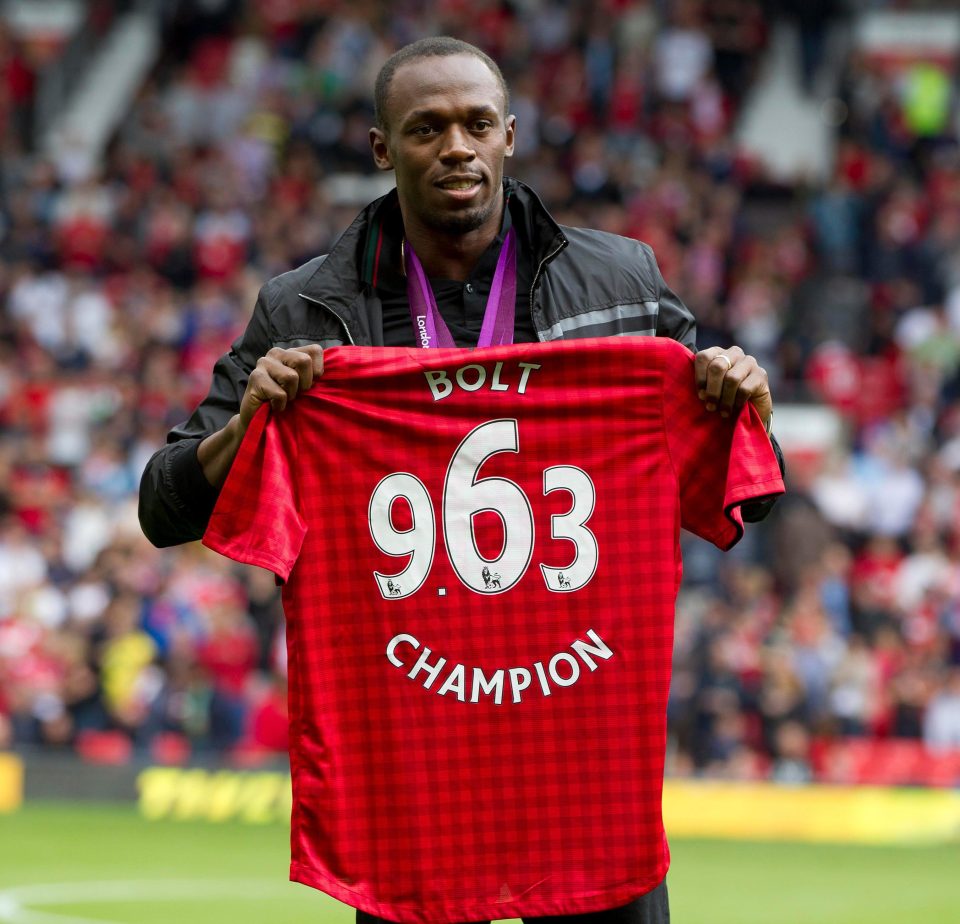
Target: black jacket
[{"x": 586, "y": 284}]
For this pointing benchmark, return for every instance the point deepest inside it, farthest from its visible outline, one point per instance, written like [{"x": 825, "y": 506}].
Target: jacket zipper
[
  {"x": 325, "y": 306},
  {"x": 536, "y": 277}
]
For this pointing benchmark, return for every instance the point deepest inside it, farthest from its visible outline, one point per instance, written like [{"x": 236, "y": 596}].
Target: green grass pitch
[{"x": 94, "y": 863}]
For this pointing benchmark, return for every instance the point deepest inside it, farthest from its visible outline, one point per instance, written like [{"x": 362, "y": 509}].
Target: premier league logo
[{"x": 491, "y": 580}]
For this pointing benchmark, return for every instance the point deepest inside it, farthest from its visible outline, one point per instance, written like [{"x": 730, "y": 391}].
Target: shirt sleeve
[
  {"x": 257, "y": 519},
  {"x": 720, "y": 462}
]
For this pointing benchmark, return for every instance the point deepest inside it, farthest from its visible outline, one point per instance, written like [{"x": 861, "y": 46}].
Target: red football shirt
[{"x": 481, "y": 558}]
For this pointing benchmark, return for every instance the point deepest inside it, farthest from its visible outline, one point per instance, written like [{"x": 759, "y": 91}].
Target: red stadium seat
[
  {"x": 888, "y": 762},
  {"x": 170, "y": 748},
  {"x": 111, "y": 748}
]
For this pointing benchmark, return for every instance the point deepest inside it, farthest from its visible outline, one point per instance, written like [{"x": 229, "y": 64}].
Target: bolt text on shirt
[{"x": 475, "y": 376}]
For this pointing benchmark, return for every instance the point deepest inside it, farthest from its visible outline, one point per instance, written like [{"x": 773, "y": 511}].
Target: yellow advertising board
[
  {"x": 11, "y": 782},
  {"x": 221, "y": 795},
  {"x": 691, "y": 808},
  {"x": 820, "y": 814}
]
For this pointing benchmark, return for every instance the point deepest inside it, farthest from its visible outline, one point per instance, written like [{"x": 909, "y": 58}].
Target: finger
[
  {"x": 273, "y": 369},
  {"x": 285, "y": 376},
  {"x": 734, "y": 379},
  {"x": 717, "y": 371},
  {"x": 315, "y": 352},
  {"x": 754, "y": 387},
  {"x": 756, "y": 390},
  {"x": 731, "y": 392},
  {"x": 301, "y": 363},
  {"x": 262, "y": 388},
  {"x": 700, "y": 363}
]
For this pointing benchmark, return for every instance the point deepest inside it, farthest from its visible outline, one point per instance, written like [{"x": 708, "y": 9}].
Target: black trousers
[{"x": 652, "y": 908}]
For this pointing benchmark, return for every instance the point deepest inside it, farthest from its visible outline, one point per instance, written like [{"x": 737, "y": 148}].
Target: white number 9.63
[{"x": 465, "y": 495}]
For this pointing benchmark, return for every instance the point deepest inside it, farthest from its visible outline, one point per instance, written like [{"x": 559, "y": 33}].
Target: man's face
[{"x": 446, "y": 137}]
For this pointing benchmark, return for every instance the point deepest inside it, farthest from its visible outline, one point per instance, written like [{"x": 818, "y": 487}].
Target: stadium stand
[{"x": 826, "y": 647}]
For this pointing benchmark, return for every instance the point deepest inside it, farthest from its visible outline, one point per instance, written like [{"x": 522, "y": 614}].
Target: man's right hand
[{"x": 276, "y": 380}]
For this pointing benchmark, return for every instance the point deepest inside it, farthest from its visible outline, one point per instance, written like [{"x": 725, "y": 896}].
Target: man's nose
[{"x": 457, "y": 145}]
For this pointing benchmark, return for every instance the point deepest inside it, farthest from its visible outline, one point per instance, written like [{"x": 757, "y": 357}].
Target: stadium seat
[
  {"x": 170, "y": 749},
  {"x": 111, "y": 748}
]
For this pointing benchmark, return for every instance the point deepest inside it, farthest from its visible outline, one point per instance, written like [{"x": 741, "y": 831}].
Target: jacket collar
[{"x": 349, "y": 271}]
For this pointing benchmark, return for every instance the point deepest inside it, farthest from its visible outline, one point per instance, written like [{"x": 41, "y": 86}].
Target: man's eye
[
  {"x": 482, "y": 125},
  {"x": 423, "y": 130}
]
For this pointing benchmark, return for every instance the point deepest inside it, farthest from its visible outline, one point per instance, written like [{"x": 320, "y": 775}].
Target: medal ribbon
[{"x": 429, "y": 327}]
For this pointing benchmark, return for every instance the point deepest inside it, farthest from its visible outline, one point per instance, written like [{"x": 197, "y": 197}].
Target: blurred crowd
[{"x": 837, "y": 621}]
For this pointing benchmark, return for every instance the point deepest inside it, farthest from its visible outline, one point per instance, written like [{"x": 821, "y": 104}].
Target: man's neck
[{"x": 452, "y": 256}]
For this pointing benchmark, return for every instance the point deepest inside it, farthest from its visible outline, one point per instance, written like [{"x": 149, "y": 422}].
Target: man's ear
[
  {"x": 380, "y": 148},
  {"x": 511, "y": 129}
]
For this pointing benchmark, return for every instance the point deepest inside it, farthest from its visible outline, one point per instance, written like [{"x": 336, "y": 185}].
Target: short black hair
[{"x": 440, "y": 46}]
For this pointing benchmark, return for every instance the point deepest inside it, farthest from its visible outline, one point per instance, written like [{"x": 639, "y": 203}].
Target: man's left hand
[{"x": 726, "y": 379}]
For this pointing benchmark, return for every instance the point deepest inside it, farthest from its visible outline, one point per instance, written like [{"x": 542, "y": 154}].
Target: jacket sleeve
[
  {"x": 755, "y": 511},
  {"x": 676, "y": 321},
  {"x": 176, "y": 500}
]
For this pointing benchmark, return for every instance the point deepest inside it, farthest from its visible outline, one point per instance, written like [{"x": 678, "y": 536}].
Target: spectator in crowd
[
  {"x": 941, "y": 727},
  {"x": 17, "y": 90}
]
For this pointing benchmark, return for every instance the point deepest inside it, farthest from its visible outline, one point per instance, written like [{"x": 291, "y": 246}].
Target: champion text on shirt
[{"x": 520, "y": 678}]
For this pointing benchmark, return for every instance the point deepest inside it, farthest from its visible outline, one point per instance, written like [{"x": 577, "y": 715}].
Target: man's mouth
[{"x": 459, "y": 183}]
